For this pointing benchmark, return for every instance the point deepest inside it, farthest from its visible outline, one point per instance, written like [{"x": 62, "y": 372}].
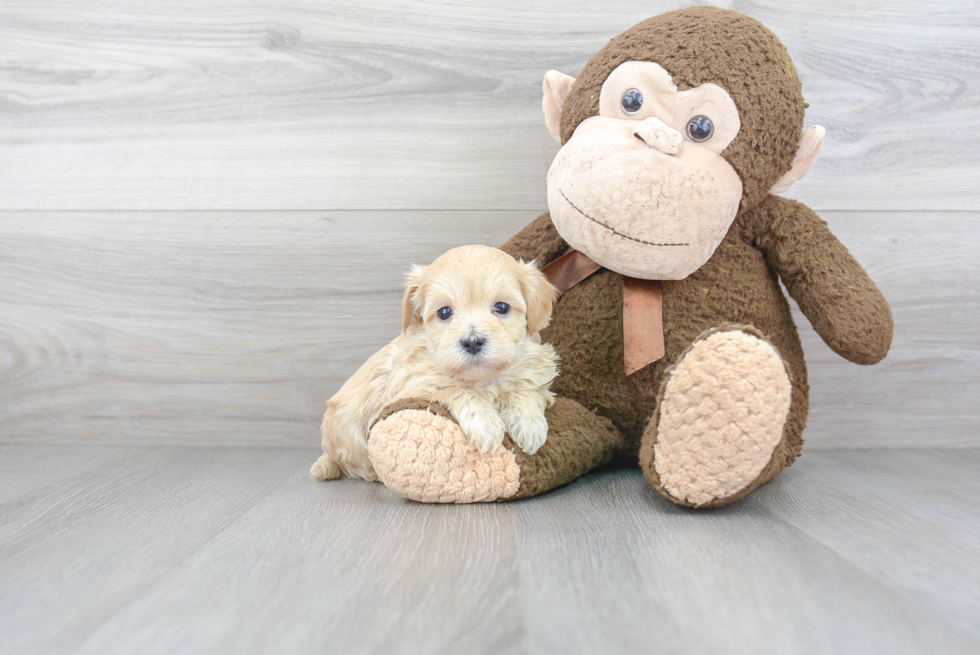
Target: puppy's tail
[{"x": 326, "y": 469}]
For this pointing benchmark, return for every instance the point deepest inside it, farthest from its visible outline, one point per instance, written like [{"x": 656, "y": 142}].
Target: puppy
[{"x": 470, "y": 323}]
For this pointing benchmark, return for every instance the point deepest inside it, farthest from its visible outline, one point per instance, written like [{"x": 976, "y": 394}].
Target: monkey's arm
[
  {"x": 832, "y": 289},
  {"x": 539, "y": 241}
]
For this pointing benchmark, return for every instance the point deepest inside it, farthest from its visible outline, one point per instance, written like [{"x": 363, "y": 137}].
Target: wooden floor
[{"x": 114, "y": 549}]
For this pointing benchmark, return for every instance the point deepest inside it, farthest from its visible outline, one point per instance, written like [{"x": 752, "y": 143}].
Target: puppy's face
[{"x": 475, "y": 305}]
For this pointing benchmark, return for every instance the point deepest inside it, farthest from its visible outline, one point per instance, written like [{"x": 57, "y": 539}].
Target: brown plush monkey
[{"x": 668, "y": 241}]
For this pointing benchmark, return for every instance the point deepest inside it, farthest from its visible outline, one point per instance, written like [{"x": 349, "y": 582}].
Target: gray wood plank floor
[{"x": 114, "y": 549}]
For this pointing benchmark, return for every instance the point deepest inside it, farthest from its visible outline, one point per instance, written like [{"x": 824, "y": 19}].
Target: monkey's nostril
[{"x": 472, "y": 345}]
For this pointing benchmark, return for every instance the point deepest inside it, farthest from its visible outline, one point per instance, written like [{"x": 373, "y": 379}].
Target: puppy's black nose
[{"x": 472, "y": 345}]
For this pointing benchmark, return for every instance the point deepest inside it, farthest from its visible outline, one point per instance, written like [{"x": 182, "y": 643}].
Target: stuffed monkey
[{"x": 668, "y": 242}]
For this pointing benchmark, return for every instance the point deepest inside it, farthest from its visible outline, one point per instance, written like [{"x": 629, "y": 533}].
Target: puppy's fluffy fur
[{"x": 484, "y": 361}]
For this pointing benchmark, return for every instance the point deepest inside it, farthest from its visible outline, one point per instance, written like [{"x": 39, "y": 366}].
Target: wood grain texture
[
  {"x": 937, "y": 509},
  {"x": 342, "y": 567},
  {"x": 925, "y": 392},
  {"x": 713, "y": 582},
  {"x": 362, "y": 104},
  {"x": 234, "y": 327},
  {"x": 43, "y": 469},
  {"x": 405, "y": 129},
  {"x": 238, "y": 550},
  {"x": 73, "y": 558}
]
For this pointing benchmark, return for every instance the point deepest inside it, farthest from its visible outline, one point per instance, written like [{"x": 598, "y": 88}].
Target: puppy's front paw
[
  {"x": 528, "y": 430},
  {"x": 484, "y": 430}
]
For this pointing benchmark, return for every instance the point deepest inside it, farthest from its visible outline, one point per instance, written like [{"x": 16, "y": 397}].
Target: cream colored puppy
[{"x": 470, "y": 342}]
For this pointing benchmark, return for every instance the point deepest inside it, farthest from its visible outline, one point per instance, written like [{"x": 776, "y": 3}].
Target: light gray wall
[{"x": 206, "y": 207}]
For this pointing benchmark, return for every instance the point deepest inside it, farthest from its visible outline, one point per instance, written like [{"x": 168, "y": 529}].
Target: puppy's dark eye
[
  {"x": 700, "y": 129},
  {"x": 632, "y": 101},
  {"x": 444, "y": 313},
  {"x": 501, "y": 308}
]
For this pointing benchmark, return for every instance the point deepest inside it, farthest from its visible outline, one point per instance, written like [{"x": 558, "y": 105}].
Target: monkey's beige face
[
  {"x": 642, "y": 188},
  {"x": 477, "y": 305}
]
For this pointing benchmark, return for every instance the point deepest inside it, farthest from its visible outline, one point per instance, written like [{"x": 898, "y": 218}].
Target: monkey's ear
[
  {"x": 556, "y": 87},
  {"x": 806, "y": 156},
  {"x": 412, "y": 301}
]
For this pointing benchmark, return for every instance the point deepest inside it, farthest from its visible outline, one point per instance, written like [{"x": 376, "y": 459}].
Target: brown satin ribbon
[
  {"x": 643, "y": 324},
  {"x": 568, "y": 270}
]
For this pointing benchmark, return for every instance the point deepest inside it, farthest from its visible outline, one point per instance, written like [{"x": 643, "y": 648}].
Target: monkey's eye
[
  {"x": 501, "y": 308},
  {"x": 632, "y": 101},
  {"x": 700, "y": 129},
  {"x": 444, "y": 313}
]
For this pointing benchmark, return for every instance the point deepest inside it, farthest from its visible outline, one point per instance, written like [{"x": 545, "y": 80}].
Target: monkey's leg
[
  {"x": 718, "y": 431},
  {"x": 420, "y": 453}
]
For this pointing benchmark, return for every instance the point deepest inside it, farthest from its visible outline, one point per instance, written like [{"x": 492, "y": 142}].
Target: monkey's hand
[{"x": 832, "y": 289}]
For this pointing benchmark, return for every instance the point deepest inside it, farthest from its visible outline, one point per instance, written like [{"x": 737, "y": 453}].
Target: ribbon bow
[{"x": 643, "y": 323}]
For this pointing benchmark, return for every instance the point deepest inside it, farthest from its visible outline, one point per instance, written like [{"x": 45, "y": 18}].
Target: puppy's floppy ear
[
  {"x": 539, "y": 295},
  {"x": 412, "y": 302}
]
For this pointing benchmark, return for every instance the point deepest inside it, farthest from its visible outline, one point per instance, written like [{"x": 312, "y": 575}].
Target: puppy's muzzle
[{"x": 473, "y": 344}]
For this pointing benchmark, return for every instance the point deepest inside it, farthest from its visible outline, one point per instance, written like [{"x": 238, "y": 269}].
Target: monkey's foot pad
[
  {"x": 426, "y": 457},
  {"x": 721, "y": 417}
]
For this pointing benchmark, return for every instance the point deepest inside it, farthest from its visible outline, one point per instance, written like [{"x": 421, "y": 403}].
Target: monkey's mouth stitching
[{"x": 614, "y": 230}]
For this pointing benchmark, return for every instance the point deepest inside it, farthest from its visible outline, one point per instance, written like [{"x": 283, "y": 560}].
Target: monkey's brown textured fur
[
  {"x": 737, "y": 286},
  {"x": 588, "y": 441},
  {"x": 705, "y": 44},
  {"x": 771, "y": 238}
]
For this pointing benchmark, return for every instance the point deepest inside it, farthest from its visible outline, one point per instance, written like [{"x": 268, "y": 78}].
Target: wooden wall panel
[
  {"x": 206, "y": 207},
  {"x": 364, "y": 104},
  {"x": 234, "y": 327}
]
